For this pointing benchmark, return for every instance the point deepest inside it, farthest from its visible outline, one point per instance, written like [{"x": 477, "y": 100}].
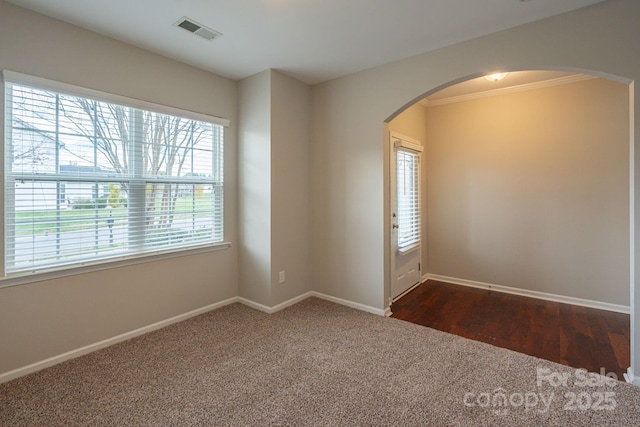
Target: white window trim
[
  {"x": 404, "y": 144},
  {"x": 116, "y": 262},
  {"x": 413, "y": 247},
  {"x": 106, "y": 264},
  {"x": 25, "y": 79},
  {"x": 408, "y": 145}
]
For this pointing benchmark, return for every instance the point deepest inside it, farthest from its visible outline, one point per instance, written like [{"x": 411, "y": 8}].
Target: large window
[{"x": 88, "y": 180}]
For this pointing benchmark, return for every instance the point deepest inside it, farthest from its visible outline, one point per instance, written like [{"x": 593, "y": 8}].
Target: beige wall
[
  {"x": 349, "y": 164},
  {"x": 274, "y": 188},
  {"x": 350, "y": 157},
  {"x": 291, "y": 187},
  {"x": 47, "y": 318},
  {"x": 254, "y": 188},
  {"x": 531, "y": 190}
]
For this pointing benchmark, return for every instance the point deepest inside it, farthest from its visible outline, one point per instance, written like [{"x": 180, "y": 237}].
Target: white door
[{"x": 406, "y": 237}]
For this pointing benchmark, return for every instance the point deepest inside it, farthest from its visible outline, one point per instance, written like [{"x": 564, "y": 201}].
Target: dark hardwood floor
[{"x": 572, "y": 335}]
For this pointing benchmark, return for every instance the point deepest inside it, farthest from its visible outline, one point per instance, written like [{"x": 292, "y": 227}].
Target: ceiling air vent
[{"x": 197, "y": 29}]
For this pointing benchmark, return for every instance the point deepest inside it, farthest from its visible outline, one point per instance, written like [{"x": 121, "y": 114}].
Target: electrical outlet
[{"x": 281, "y": 277}]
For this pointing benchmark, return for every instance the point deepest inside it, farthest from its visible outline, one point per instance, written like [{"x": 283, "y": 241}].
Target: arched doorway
[{"x": 517, "y": 221}]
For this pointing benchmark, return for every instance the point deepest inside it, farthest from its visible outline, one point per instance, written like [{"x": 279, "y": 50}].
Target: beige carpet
[{"x": 315, "y": 363}]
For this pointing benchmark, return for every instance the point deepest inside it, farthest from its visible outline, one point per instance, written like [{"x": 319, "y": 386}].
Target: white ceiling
[{"x": 312, "y": 40}]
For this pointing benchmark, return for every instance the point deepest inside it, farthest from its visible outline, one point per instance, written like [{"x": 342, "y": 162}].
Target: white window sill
[
  {"x": 408, "y": 249},
  {"x": 39, "y": 276}
]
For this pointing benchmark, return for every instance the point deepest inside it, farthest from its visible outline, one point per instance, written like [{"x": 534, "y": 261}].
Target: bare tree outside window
[{"x": 76, "y": 164}]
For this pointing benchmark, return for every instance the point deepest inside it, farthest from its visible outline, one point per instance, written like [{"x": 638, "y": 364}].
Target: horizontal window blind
[
  {"x": 88, "y": 180},
  {"x": 408, "y": 198}
]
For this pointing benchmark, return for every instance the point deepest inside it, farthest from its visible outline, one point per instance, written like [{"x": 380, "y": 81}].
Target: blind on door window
[{"x": 408, "y": 198}]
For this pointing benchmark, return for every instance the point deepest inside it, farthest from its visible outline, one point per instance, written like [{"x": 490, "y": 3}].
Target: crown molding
[{"x": 507, "y": 90}]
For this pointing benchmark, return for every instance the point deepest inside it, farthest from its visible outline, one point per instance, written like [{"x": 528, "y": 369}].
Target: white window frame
[
  {"x": 413, "y": 149},
  {"x": 98, "y": 264}
]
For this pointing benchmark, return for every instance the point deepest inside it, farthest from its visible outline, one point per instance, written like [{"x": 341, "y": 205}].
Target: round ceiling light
[{"x": 496, "y": 77}]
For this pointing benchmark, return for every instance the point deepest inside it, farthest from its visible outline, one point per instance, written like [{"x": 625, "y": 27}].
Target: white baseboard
[
  {"x": 347, "y": 303},
  {"x": 292, "y": 301},
  {"x": 275, "y": 308},
  {"x": 533, "y": 294},
  {"x": 630, "y": 378},
  {"x": 19, "y": 372}
]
